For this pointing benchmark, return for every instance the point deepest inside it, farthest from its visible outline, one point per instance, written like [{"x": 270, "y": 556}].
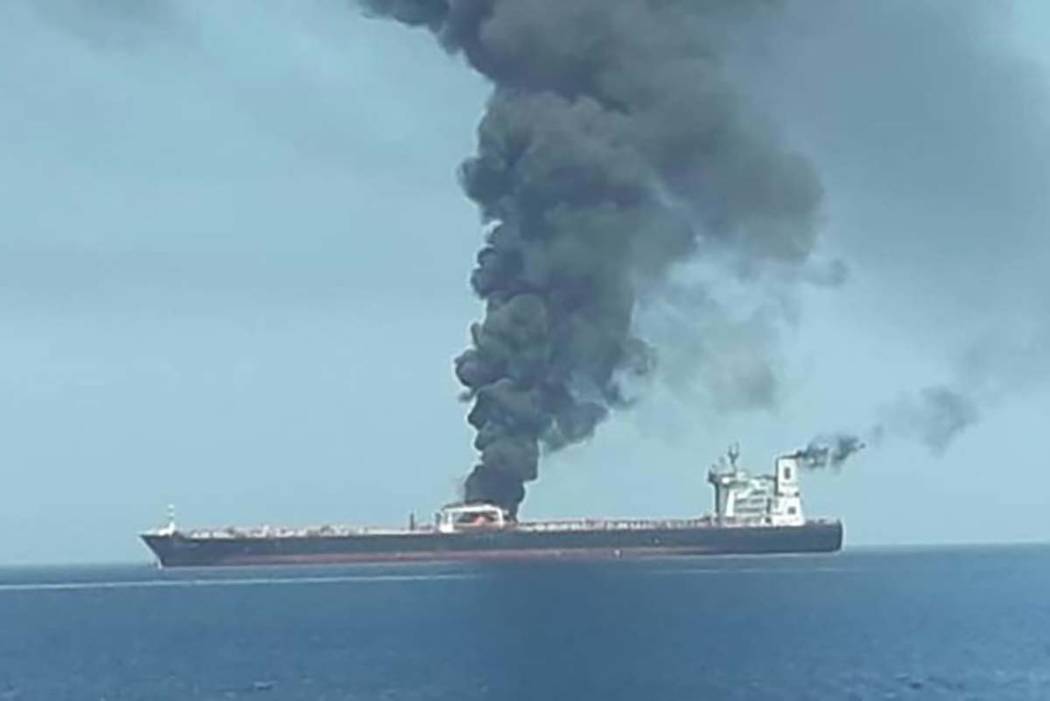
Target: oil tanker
[{"x": 754, "y": 514}]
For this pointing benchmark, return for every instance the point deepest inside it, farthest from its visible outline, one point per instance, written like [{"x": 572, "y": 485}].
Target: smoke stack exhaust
[{"x": 830, "y": 451}]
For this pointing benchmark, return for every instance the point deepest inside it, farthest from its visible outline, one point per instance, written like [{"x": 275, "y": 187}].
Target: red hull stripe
[{"x": 460, "y": 556}]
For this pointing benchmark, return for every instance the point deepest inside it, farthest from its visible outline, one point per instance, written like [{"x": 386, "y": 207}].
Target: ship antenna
[
  {"x": 733, "y": 453},
  {"x": 171, "y": 518}
]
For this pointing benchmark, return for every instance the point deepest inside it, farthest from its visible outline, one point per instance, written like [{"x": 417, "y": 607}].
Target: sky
[{"x": 234, "y": 266}]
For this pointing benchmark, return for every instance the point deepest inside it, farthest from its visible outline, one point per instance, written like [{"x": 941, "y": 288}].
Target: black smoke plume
[
  {"x": 830, "y": 451},
  {"x": 612, "y": 148}
]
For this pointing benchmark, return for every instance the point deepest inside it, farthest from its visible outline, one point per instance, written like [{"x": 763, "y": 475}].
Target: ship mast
[{"x": 170, "y": 528}]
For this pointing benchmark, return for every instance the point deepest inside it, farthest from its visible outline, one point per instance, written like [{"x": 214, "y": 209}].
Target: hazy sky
[{"x": 234, "y": 262}]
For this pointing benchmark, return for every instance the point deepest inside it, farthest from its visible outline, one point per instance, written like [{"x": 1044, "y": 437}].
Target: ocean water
[{"x": 967, "y": 623}]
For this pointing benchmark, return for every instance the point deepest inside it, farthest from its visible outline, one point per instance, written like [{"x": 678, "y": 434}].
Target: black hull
[{"x": 177, "y": 550}]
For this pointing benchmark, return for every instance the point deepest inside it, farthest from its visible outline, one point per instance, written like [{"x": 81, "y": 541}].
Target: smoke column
[{"x": 612, "y": 148}]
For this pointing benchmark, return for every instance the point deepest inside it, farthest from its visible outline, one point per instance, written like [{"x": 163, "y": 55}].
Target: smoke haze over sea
[{"x": 236, "y": 261}]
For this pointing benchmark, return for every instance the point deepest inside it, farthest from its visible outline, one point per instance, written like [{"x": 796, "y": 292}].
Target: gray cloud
[
  {"x": 930, "y": 131},
  {"x": 934, "y": 415},
  {"x": 991, "y": 371}
]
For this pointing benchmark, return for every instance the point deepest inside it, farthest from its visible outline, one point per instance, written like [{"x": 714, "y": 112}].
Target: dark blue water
[{"x": 935, "y": 624}]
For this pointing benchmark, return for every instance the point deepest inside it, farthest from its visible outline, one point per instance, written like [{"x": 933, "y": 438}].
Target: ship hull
[{"x": 178, "y": 550}]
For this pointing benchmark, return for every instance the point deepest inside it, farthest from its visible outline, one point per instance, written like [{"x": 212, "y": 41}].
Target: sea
[{"x": 955, "y": 623}]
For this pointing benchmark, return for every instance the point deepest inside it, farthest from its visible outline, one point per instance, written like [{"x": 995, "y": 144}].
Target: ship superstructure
[
  {"x": 753, "y": 514},
  {"x": 741, "y": 498}
]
